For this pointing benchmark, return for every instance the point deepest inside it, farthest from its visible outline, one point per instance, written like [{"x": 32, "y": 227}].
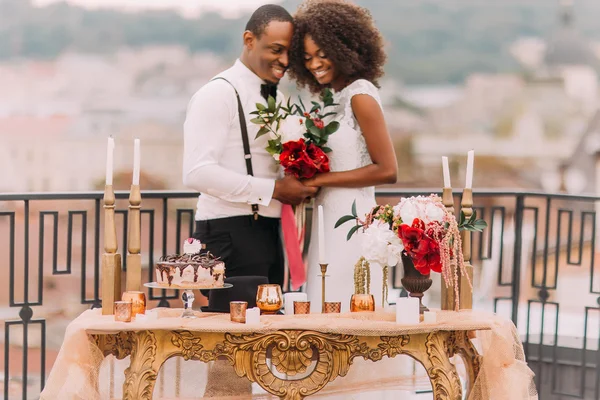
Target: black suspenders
[{"x": 246, "y": 143}]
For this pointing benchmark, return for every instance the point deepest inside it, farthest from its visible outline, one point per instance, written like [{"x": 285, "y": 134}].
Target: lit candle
[
  {"x": 289, "y": 298},
  {"x": 446, "y": 171},
  {"x": 136, "y": 162},
  {"x": 109, "y": 161},
  {"x": 470, "y": 158},
  {"x": 321, "y": 236}
]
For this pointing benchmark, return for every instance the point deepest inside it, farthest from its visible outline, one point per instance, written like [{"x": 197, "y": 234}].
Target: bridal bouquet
[
  {"x": 297, "y": 135},
  {"x": 422, "y": 228}
]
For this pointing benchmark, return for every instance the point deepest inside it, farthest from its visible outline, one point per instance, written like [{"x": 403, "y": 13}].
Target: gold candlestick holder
[
  {"x": 111, "y": 260},
  {"x": 448, "y": 295},
  {"x": 323, "y": 275},
  {"x": 133, "y": 278},
  {"x": 466, "y": 282}
]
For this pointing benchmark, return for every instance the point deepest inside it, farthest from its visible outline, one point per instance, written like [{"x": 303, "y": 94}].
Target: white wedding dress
[{"x": 349, "y": 151}]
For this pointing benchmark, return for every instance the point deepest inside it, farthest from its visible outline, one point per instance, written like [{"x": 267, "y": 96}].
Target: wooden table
[{"x": 292, "y": 353}]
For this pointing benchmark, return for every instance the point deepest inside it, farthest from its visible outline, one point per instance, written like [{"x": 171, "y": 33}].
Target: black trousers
[{"x": 247, "y": 246}]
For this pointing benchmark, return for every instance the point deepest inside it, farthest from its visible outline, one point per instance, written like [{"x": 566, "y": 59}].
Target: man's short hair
[{"x": 264, "y": 15}]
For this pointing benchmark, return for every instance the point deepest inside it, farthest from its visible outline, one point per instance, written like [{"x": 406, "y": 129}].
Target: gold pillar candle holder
[
  {"x": 111, "y": 261},
  {"x": 448, "y": 296},
  {"x": 237, "y": 311},
  {"x": 123, "y": 311},
  {"x": 332, "y": 307},
  {"x": 323, "y": 275},
  {"x": 133, "y": 278},
  {"x": 269, "y": 298},
  {"x": 302, "y": 307},
  {"x": 137, "y": 300},
  {"x": 362, "y": 302},
  {"x": 465, "y": 288}
]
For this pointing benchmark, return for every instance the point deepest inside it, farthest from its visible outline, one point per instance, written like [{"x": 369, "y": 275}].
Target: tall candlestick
[
  {"x": 136, "y": 162},
  {"x": 321, "y": 236},
  {"x": 469, "y": 180},
  {"x": 109, "y": 161},
  {"x": 446, "y": 171}
]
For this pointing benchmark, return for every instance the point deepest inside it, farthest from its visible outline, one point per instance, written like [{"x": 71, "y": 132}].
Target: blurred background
[{"x": 515, "y": 80}]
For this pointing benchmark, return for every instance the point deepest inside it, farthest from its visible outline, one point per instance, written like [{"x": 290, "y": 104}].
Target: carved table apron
[{"x": 291, "y": 352}]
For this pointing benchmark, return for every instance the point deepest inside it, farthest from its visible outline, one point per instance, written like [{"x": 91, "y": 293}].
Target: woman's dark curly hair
[{"x": 347, "y": 35}]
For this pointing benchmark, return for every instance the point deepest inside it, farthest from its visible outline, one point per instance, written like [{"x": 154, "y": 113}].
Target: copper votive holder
[
  {"x": 332, "y": 307},
  {"x": 269, "y": 298},
  {"x": 237, "y": 311},
  {"x": 302, "y": 307},
  {"x": 137, "y": 300},
  {"x": 362, "y": 302},
  {"x": 123, "y": 311}
]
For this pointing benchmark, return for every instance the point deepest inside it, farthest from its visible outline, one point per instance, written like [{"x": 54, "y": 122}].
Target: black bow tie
[{"x": 268, "y": 89}]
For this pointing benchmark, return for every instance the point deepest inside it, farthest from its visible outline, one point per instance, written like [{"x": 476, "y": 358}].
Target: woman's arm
[{"x": 384, "y": 169}]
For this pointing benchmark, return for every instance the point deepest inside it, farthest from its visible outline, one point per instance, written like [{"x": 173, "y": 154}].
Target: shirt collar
[{"x": 247, "y": 75}]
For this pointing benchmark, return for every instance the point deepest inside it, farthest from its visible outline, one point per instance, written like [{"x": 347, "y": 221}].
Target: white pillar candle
[
  {"x": 253, "y": 315},
  {"x": 407, "y": 311},
  {"x": 429, "y": 317},
  {"x": 290, "y": 298},
  {"x": 446, "y": 171},
  {"x": 136, "y": 162},
  {"x": 109, "y": 161},
  {"x": 321, "y": 223},
  {"x": 470, "y": 160}
]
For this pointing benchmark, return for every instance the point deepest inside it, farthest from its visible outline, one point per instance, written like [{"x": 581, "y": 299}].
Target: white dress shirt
[{"x": 213, "y": 153}]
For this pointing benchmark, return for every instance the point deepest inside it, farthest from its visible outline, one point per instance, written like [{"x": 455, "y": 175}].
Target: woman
[{"x": 337, "y": 46}]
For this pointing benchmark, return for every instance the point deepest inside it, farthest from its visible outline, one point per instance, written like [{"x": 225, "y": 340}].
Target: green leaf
[
  {"x": 315, "y": 131},
  {"x": 332, "y": 127},
  {"x": 271, "y": 103},
  {"x": 354, "y": 208},
  {"x": 315, "y": 108},
  {"x": 255, "y": 113},
  {"x": 257, "y": 120},
  {"x": 328, "y": 114},
  {"x": 344, "y": 219},
  {"x": 352, "y": 231},
  {"x": 326, "y": 149},
  {"x": 262, "y": 131},
  {"x": 308, "y": 123},
  {"x": 301, "y": 103},
  {"x": 461, "y": 220},
  {"x": 260, "y": 107}
]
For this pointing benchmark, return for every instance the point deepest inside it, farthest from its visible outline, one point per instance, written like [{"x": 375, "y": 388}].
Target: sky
[{"x": 189, "y": 8}]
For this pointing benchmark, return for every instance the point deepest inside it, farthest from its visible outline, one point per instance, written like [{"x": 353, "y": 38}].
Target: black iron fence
[{"x": 534, "y": 264}]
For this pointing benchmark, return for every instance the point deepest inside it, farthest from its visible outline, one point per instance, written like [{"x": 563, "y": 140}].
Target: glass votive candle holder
[
  {"x": 302, "y": 307},
  {"x": 137, "y": 300},
  {"x": 362, "y": 302},
  {"x": 332, "y": 307},
  {"x": 237, "y": 311},
  {"x": 123, "y": 311}
]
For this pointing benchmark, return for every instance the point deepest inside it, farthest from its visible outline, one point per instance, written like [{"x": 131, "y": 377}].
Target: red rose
[
  {"x": 296, "y": 161},
  {"x": 318, "y": 157},
  {"x": 319, "y": 123},
  {"x": 422, "y": 249}
]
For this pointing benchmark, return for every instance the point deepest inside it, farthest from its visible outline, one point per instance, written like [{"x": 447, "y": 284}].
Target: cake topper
[{"x": 192, "y": 246}]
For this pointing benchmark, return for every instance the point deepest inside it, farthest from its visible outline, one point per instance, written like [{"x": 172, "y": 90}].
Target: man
[{"x": 239, "y": 208}]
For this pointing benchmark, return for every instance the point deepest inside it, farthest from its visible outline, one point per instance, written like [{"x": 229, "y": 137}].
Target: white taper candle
[
  {"x": 136, "y": 162},
  {"x": 446, "y": 171}
]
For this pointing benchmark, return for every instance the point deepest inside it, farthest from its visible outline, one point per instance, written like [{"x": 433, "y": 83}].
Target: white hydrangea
[
  {"x": 292, "y": 128},
  {"x": 380, "y": 245},
  {"x": 418, "y": 207}
]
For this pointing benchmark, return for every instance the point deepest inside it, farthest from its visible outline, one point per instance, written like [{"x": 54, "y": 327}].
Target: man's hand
[{"x": 289, "y": 190}]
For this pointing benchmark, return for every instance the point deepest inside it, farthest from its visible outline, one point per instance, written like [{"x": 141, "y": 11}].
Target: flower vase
[{"x": 415, "y": 283}]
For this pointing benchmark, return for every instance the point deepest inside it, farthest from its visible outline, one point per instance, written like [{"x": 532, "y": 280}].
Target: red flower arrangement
[{"x": 305, "y": 156}]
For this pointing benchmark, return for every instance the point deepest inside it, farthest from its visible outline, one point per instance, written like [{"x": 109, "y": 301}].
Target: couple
[{"x": 327, "y": 44}]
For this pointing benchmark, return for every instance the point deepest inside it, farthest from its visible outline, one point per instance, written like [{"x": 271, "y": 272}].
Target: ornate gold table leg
[
  {"x": 472, "y": 360},
  {"x": 146, "y": 360}
]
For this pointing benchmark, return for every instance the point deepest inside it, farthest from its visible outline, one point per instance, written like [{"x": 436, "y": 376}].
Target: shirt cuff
[{"x": 261, "y": 191}]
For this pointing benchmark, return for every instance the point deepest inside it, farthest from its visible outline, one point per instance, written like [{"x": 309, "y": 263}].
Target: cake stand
[{"x": 187, "y": 296}]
